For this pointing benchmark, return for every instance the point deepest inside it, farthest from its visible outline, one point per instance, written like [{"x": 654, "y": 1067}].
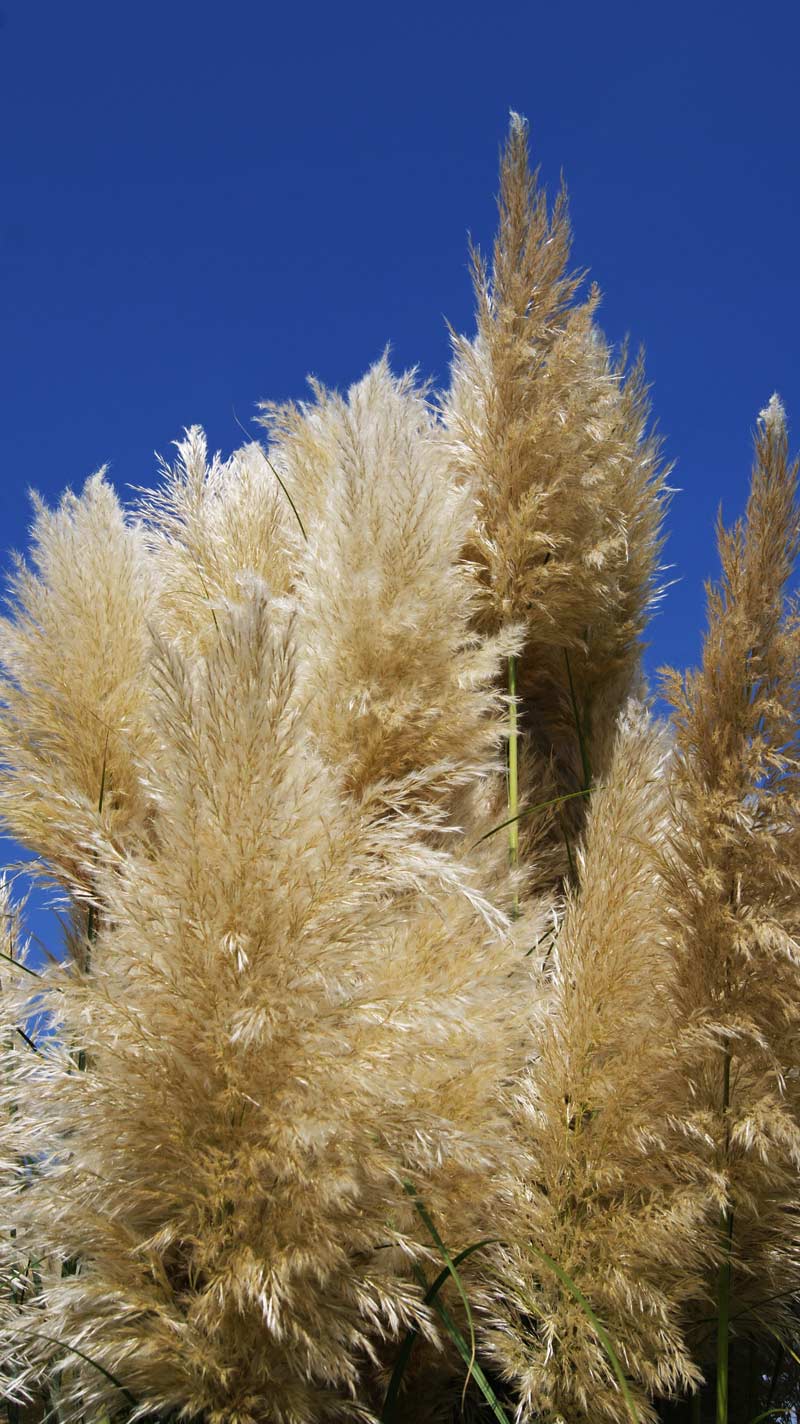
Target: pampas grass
[{"x": 423, "y": 1042}]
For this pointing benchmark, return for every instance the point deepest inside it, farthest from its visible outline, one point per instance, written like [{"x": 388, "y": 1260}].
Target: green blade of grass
[
  {"x": 277, "y": 476},
  {"x": 468, "y": 1353},
  {"x": 103, "y": 772},
  {"x": 531, "y": 811},
  {"x": 749, "y": 1309},
  {"x": 29, "y": 1041},
  {"x": 91, "y": 918},
  {"x": 207, "y": 596},
  {"x": 424, "y": 1214},
  {"x": 597, "y": 1325},
  {"x": 773, "y": 1332},
  {"x": 73, "y": 1349},
  {"x": 91, "y": 927},
  {"x": 288, "y": 496},
  {"x": 474, "y": 1369},
  {"x": 404, "y": 1353}
]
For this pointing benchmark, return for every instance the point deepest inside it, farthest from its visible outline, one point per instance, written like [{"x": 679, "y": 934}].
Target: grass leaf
[
  {"x": 531, "y": 811},
  {"x": 404, "y": 1353},
  {"x": 73, "y": 1349},
  {"x": 472, "y": 1365},
  {"x": 597, "y": 1325}
]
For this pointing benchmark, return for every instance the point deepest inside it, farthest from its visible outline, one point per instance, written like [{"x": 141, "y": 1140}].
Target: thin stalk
[
  {"x": 570, "y": 857},
  {"x": 724, "y": 1278},
  {"x": 580, "y": 731},
  {"x": 579, "y": 727},
  {"x": 529, "y": 811},
  {"x": 91, "y": 919},
  {"x": 263, "y": 452},
  {"x": 73, "y": 1349},
  {"x": 18, "y": 965},
  {"x": 513, "y": 775},
  {"x": 773, "y": 1384},
  {"x": 697, "y": 1407}
]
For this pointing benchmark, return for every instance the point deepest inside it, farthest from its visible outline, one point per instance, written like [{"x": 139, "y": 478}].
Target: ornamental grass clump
[
  {"x": 422, "y": 1043},
  {"x": 274, "y": 1041}
]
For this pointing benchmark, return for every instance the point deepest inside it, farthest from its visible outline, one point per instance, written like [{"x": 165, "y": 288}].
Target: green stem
[
  {"x": 513, "y": 774},
  {"x": 724, "y": 1278},
  {"x": 696, "y": 1405}
]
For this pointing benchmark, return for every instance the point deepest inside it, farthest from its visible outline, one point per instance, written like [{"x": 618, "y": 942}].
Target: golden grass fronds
[
  {"x": 399, "y": 686},
  {"x": 597, "y": 1194},
  {"x": 294, "y": 1007},
  {"x": 734, "y": 878},
  {"x": 551, "y": 438},
  {"x": 325, "y": 964},
  {"x": 73, "y": 655},
  {"x": 210, "y": 523}
]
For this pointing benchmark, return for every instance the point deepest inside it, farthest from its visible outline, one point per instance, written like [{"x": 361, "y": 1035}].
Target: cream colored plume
[
  {"x": 550, "y": 438},
  {"x": 295, "y": 1006},
  {"x": 733, "y": 869},
  {"x": 597, "y": 1194},
  {"x": 399, "y": 687},
  {"x": 74, "y": 655},
  {"x": 210, "y": 523}
]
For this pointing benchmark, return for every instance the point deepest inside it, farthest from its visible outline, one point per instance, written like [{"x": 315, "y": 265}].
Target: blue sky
[{"x": 203, "y": 203}]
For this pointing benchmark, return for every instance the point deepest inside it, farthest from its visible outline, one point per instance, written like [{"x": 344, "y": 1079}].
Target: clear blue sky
[{"x": 203, "y": 203}]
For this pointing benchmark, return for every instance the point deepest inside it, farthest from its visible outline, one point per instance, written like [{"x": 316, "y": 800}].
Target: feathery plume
[
  {"x": 597, "y": 1194},
  {"x": 73, "y": 690},
  {"x": 255, "y": 729},
  {"x": 550, "y": 437},
  {"x": 294, "y": 1007},
  {"x": 734, "y": 878},
  {"x": 400, "y": 689},
  {"x": 208, "y": 525}
]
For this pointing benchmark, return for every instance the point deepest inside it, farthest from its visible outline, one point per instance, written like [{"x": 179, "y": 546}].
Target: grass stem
[
  {"x": 513, "y": 775},
  {"x": 724, "y": 1278}
]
